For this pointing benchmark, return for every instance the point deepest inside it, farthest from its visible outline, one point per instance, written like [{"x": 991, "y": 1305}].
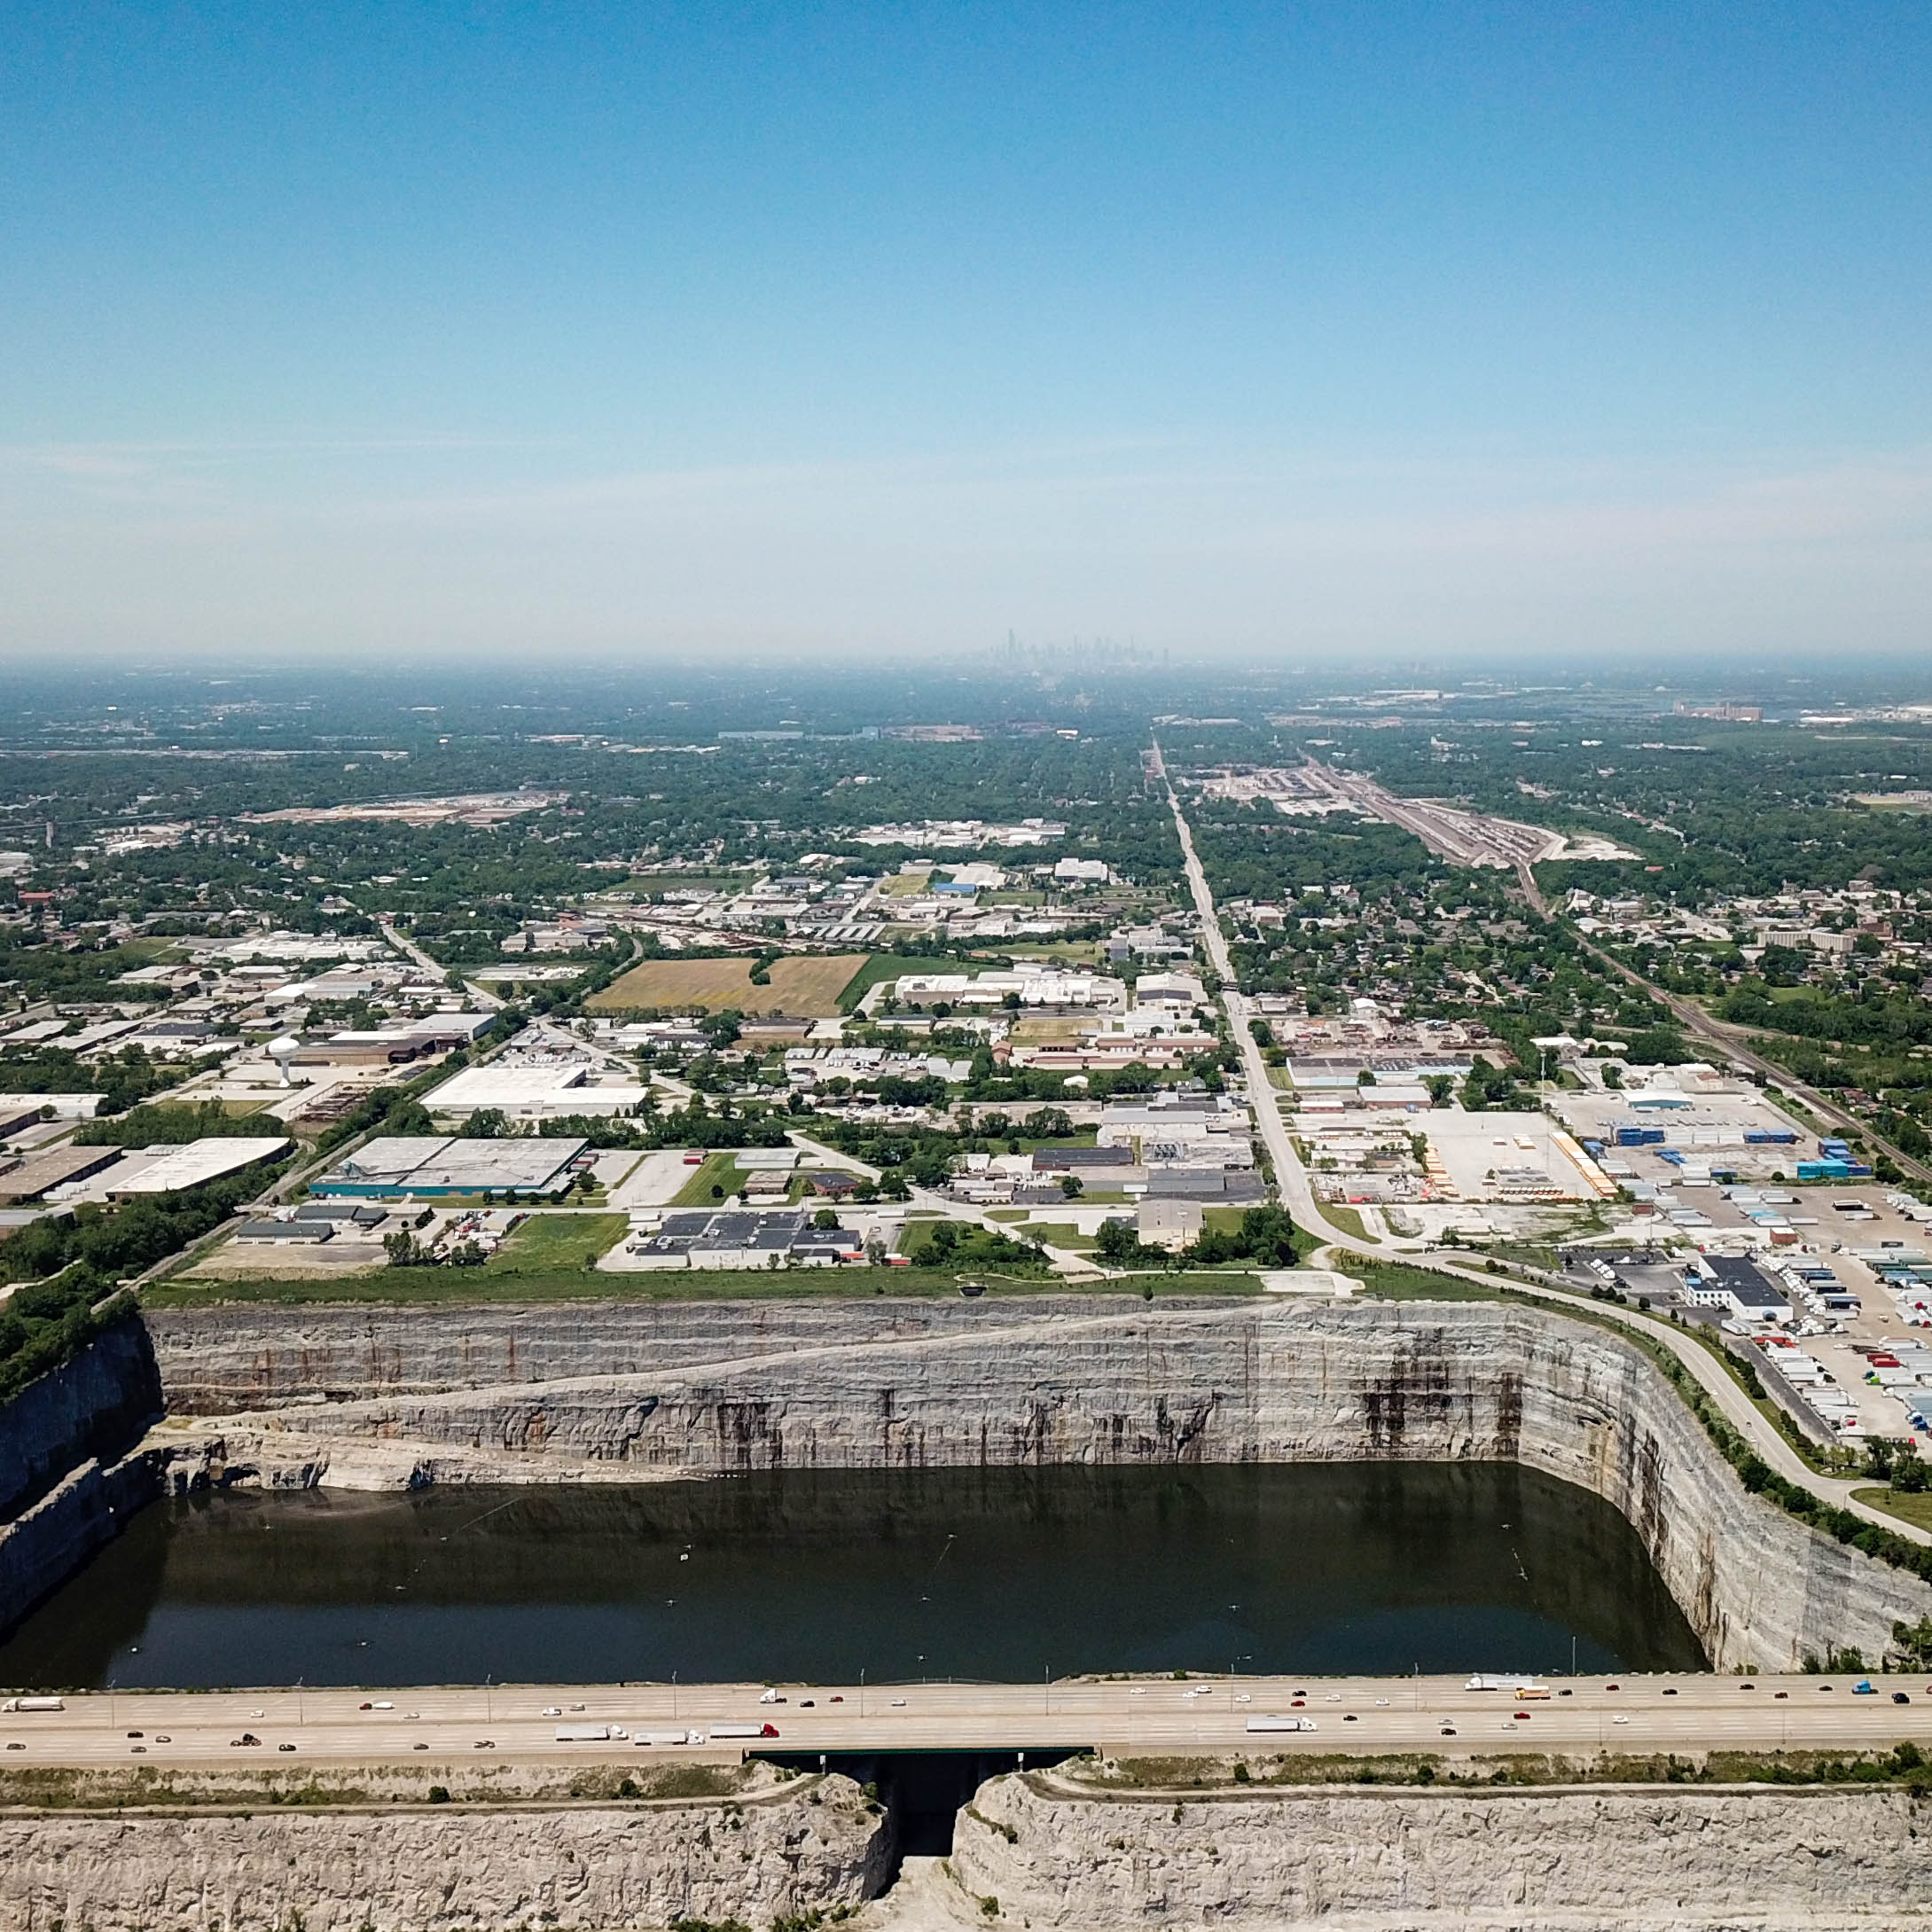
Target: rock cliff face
[
  {"x": 581, "y": 1867},
  {"x": 1621, "y": 1860},
  {"x": 217, "y": 1360},
  {"x": 91, "y": 1408},
  {"x": 66, "y": 1480},
  {"x": 1007, "y": 1384},
  {"x": 47, "y": 1543}
]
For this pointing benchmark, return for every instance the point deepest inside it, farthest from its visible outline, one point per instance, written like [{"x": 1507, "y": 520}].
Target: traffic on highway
[{"x": 1686, "y": 1714}]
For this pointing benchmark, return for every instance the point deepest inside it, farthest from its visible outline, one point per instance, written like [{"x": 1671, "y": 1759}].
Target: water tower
[{"x": 282, "y": 1052}]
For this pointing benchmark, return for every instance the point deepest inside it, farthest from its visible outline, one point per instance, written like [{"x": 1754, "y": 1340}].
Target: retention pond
[{"x": 993, "y": 1574}]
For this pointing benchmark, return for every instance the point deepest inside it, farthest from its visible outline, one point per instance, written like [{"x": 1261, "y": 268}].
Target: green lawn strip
[
  {"x": 1064, "y": 1234},
  {"x": 1348, "y": 1220},
  {"x": 718, "y": 1170},
  {"x": 1913, "y": 1506},
  {"x": 1902, "y": 1764},
  {"x": 1394, "y": 1281},
  {"x": 477, "y": 1287},
  {"x": 548, "y": 1243}
]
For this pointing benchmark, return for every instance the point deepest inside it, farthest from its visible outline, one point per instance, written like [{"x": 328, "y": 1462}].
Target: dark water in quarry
[{"x": 1002, "y": 1574}]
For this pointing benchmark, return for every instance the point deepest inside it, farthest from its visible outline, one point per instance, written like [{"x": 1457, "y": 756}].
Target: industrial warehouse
[{"x": 432, "y": 1167}]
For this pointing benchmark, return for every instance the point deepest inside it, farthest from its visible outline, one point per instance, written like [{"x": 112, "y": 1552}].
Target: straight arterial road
[
  {"x": 1683, "y": 1713},
  {"x": 1291, "y": 1177},
  {"x": 1298, "y": 1194}
]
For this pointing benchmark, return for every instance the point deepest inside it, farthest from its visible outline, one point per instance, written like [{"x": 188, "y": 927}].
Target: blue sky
[{"x": 1273, "y": 330}]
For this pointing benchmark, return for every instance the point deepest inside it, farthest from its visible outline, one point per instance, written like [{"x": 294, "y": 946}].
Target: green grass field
[
  {"x": 719, "y": 1170},
  {"x": 1915, "y": 1509},
  {"x": 1064, "y": 1234},
  {"x": 547, "y": 1243},
  {"x": 1391, "y": 1281},
  {"x": 1345, "y": 1218}
]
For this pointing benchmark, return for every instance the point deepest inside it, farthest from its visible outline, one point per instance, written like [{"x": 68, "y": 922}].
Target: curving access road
[{"x": 1298, "y": 1194}]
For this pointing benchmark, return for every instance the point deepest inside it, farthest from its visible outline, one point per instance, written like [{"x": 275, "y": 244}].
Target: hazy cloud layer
[{"x": 448, "y": 547}]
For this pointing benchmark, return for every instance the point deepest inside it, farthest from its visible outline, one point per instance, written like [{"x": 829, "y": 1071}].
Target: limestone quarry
[
  {"x": 1633, "y": 1857},
  {"x": 395, "y": 1397}
]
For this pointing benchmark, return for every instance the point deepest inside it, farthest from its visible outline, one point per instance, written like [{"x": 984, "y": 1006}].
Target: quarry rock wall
[
  {"x": 858, "y": 1386},
  {"x": 214, "y": 1361},
  {"x": 92, "y": 1408},
  {"x": 1601, "y": 1859},
  {"x": 68, "y": 1477},
  {"x": 444, "y": 1869}
]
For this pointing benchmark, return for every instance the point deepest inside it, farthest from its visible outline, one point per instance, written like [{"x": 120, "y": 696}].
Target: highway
[{"x": 1155, "y": 1716}]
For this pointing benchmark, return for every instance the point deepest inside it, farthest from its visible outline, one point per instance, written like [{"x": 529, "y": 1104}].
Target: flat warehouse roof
[
  {"x": 507, "y": 1086},
  {"x": 421, "y": 1163},
  {"x": 200, "y": 1161},
  {"x": 390, "y": 1154},
  {"x": 39, "y": 1172}
]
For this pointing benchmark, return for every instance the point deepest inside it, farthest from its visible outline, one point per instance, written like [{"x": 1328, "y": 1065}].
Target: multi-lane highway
[{"x": 1163, "y": 1716}]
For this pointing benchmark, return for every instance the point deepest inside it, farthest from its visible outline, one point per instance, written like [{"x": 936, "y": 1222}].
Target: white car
[{"x": 898, "y": 1703}]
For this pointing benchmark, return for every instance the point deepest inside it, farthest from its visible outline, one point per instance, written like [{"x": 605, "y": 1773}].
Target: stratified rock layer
[
  {"x": 1584, "y": 1860},
  {"x": 708, "y": 1389},
  {"x": 583, "y": 1868}
]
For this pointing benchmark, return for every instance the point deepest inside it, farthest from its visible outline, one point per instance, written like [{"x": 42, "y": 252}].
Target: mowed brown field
[{"x": 803, "y": 986}]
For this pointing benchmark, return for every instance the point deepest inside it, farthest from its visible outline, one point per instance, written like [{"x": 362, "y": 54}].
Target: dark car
[{"x": 1899, "y": 1697}]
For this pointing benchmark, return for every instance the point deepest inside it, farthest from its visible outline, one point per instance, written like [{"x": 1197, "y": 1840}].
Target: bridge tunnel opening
[{"x": 921, "y": 1792}]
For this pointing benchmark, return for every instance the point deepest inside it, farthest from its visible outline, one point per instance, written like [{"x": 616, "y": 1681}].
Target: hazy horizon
[{"x": 632, "y": 335}]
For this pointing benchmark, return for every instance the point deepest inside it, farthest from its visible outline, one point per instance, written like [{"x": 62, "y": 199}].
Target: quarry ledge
[
  {"x": 1627, "y": 1858},
  {"x": 787, "y": 1850}
]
